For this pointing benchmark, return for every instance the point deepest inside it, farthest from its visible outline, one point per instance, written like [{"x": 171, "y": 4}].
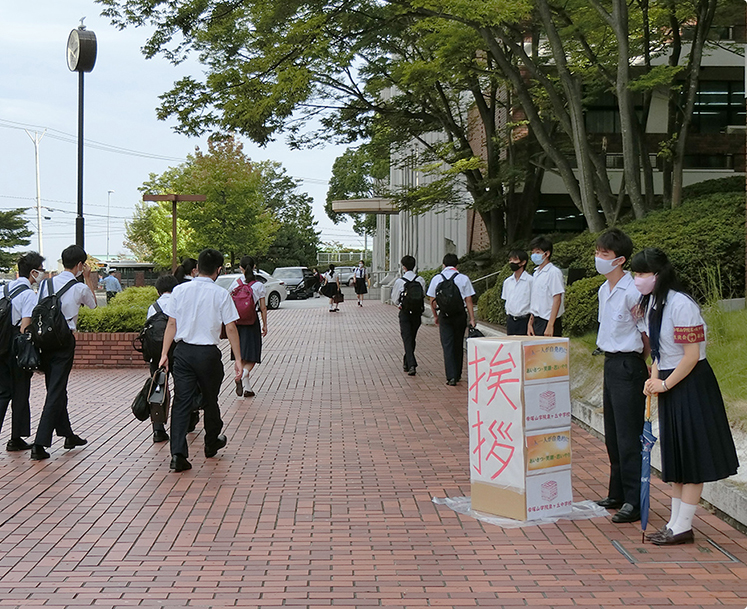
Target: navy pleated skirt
[{"x": 250, "y": 340}]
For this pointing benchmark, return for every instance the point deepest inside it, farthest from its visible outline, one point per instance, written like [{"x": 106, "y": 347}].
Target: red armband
[{"x": 684, "y": 335}]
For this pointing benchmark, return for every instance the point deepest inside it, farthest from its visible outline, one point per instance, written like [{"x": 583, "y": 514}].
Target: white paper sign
[
  {"x": 549, "y": 494},
  {"x": 547, "y": 405}
]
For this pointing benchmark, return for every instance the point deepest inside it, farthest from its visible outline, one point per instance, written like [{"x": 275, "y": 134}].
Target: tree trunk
[{"x": 496, "y": 226}]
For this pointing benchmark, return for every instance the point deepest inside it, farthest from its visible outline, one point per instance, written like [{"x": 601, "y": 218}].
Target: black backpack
[
  {"x": 449, "y": 298},
  {"x": 49, "y": 327},
  {"x": 6, "y": 316},
  {"x": 412, "y": 297},
  {"x": 150, "y": 340}
]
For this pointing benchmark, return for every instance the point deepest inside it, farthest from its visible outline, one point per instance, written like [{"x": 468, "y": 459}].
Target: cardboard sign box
[{"x": 519, "y": 418}]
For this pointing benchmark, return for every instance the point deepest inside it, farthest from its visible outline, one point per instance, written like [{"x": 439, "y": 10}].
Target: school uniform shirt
[
  {"x": 681, "y": 324},
  {"x": 199, "y": 308},
  {"x": 331, "y": 278},
  {"x": 162, "y": 301},
  {"x": 547, "y": 283},
  {"x": 359, "y": 272},
  {"x": 399, "y": 285},
  {"x": 258, "y": 289},
  {"x": 23, "y": 303},
  {"x": 461, "y": 281},
  {"x": 518, "y": 294},
  {"x": 619, "y": 326},
  {"x": 70, "y": 301}
]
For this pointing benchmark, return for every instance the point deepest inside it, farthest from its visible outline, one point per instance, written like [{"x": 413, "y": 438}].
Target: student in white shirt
[
  {"x": 57, "y": 364},
  {"x": 623, "y": 340},
  {"x": 361, "y": 278},
  {"x": 410, "y": 315},
  {"x": 548, "y": 292},
  {"x": 452, "y": 326},
  {"x": 695, "y": 436},
  {"x": 15, "y": 383},
  {"x": 331, "y": 288},
  {"x": 196, "y": 311},
  {"x": 517, "y": 292}
]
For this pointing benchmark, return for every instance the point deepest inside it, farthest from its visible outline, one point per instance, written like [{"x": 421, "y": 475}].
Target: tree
[
  {"x": 14, "y": 232},
  {"x": 148, "y": 234}
]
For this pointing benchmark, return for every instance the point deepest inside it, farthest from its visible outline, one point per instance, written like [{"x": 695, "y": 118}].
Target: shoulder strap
[
  {"x": 66, "y": 287},
  {"x": 16, "y": 291},
  {"x": 5, "y": 291},
  {"x": 157, "y": 307}
]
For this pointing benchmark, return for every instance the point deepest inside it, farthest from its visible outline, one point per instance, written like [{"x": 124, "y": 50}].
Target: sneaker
[
  {"x": 16, "y": 444},
  {"x": 73, "y": 441}
]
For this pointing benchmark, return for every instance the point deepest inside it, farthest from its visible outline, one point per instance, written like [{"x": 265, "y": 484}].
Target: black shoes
[
  {"x": 73, "y": 441},
  {"x": 212, "y": 449},
  {"x": 159, "y": 435},
  {"x": 194, "y": 418},
  {"x": 16, "y": 444},
  {"x": 179, "y": 463},
  {"x": 627, "y": 513},
  {"x": 239, "y": 388},
  {"x": 38, "y": 453},
  {"x": 412, "y": 371},
  {"x": 249, "y": 394},
  {"x": 451, "y": 382},
  {"x": 609, "y": 502}
]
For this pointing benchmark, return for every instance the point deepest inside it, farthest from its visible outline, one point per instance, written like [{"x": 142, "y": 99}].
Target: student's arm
[
  {"x": 168, "y": 339},
  {"x": 433, "y": 308},
  {"x": 530, "y": 326},
  {"x": 646, "y": 348},
  {"x": 91, "y": 286},
  {"x": 470, "y": 310},
  {"x": 549, "y": 331},
  {"x": 25, "y": 323},
  {"x": 263, "y": 312},
  {"x": 233, "y": 338},
  {"x": 685, "y": 367}
]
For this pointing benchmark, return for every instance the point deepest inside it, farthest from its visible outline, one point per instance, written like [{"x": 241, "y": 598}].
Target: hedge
[{"x": 126, "y": 312}]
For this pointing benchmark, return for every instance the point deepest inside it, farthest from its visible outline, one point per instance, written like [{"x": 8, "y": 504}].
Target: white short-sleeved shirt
[
  {"x": 518, "y": 294},
  {"x": 162, "y": 301},
  {"x": 331, "y": 278},
  {"x": 257, "y": 287},
  {"x": 399, "y": 285},
  {"x": 681, "y": 324},
  {"x": 70, "y": 301},
  {"x": 359, "y": 272},
  {"x": 548, "y": 283},
  {"x": 199, "y": 308},
  {"x": 620, "y": 326},
  {"x": 461, "y": 281},
  {"x": 23, "y": 303}
]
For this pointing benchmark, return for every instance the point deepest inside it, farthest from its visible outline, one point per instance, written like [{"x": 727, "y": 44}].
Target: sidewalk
[{"x": 322, "y": 498}]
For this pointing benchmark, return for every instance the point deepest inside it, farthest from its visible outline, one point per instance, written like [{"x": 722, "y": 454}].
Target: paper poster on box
[
  {"x": 549, "y": 494},
  {"x": 548, "y": 450},
  {"x": 546, "y": 360},
  {"x": 547, "y": 405}
]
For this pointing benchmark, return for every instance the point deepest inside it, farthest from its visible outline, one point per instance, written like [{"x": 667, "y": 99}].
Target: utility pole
[
  {"x": 36, "y": 138},
  {"x": 108, "y": 208},
  {"x": 174, "y": 200}
]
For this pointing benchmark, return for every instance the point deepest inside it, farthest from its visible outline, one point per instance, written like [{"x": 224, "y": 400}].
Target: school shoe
[
  {"x": 159, "y": 435},
  {"x": 451, "y": 382},
  {"x": 609, "y": 502},
  {"x": 239, "y": 388},
  {"x": 670, "y": 539},
  {"x": 179, "y": 463},
  {"x": 656, "y": 534},
  {"x": 627, "y": 513},
  {"x": 16, "y": 444},
  {"x": 412, "y": 371},
  {"x": 38, "y": 453},
  {"x": 194, "y": 418},
  {"x": 73, "y": 441},
  {"x": 212, "y": 449}
]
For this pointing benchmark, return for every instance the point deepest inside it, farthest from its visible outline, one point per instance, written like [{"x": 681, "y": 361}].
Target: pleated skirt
[
  {"x": 360, "y": 286},
  {"x": 250, "y": 340},
  {"x": 696, "y": 441}
]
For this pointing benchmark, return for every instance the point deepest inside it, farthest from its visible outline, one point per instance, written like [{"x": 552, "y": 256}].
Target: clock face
[
  {"x": 81, "y": 50},
  {"x": 73, "y": 50}
]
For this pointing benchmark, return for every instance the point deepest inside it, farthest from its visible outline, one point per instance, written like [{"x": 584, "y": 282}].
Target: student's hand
[
  {"x": 238, "y": 368},
  {"x": 86, "y": 271},
  {"x": 264, "y": 330},
  {"x": 653, "y": 387},
  {"x": 164, "y": 363},
  {"x": 549, "y": 330},
  {"x": 530, "y": 330}
]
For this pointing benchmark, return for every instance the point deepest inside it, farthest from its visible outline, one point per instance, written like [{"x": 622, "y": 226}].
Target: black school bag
[
  {"x": 449, "y": 298},
  {"x": 49, "y": 327},
  {"x": 412, "y": 297},
  {"x": 6, "y": 316},
  {"x": 150, "y": 340}
]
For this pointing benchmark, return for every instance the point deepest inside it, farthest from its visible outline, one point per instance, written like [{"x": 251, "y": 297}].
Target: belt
[
  {"x": 515, "y": 318},
  {"x": 623, "y": 354}
]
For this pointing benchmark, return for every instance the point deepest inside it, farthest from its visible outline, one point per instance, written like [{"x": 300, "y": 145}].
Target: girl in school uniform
[
  {"x": 696, "y": 441},
  {"x": 331, "y": 288}
]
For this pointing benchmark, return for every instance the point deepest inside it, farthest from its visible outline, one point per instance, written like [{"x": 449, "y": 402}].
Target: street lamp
[{"x": 108, "y": 206}]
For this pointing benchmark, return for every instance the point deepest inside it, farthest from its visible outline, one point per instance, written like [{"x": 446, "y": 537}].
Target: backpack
[
  {"x": 48, "y": 325},
  {"x": 6, "y": 316},
  {"x": 150, "y": 340},
  {"x": 449, "y": 298},
  {"x": 243, "y": 298},
  {"x": 412, "y": 296}
]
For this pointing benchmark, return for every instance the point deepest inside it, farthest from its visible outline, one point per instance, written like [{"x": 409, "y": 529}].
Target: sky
[{"x": 125, "y": 142}]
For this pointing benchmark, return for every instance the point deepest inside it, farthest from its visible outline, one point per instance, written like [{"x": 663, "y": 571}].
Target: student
[
  {"x": 250, "y": 335},
  {"x": 360, "y": 277},
  {"x": 186, "y": 271},
  {"x": 196, "y": 311},
  {"x": 517, "y": 292},
  {"x": 164, "y": 285},
  {"x": 331, "y": 288},
  {"x": 622, "y": 339},
  {"x": 696, "y": 441},
  {"x": 448, "y": 312},
  {"x": 411, "y": 306},
  {"x": 15, "y": 383},
  {"x": 111, "y": 285},
  {"x": 548, "y": 292},
  {"x": 58, "y": 363}
]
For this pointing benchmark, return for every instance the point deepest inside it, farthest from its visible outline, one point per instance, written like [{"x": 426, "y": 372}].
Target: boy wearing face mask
[
  {"x": 621, "y": 336},
  {"x": 517, "y": 292},
  {"x": 548, "y": 292}
]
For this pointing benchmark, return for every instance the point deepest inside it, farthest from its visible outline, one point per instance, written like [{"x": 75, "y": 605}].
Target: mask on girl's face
[
  {"x": 538, "y": 258},
  {"x": 605, "y": 266},
  {"x": 645, "y": 285},
  {"x": 360, "y": 265},
  {"x": 514, "y": 266}
]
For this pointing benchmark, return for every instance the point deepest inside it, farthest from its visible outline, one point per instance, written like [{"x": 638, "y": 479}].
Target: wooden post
[{"x": 174, "y": 200}]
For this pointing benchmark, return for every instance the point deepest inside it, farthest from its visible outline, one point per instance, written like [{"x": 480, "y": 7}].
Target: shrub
[
  {"x": 582, "y": 306},
  {"x": 125, "y": 313},
  {"x": 710, "y": 187}
]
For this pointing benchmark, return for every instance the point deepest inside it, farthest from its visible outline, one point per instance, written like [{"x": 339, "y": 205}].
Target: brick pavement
[{"x": 321, "y": 498}]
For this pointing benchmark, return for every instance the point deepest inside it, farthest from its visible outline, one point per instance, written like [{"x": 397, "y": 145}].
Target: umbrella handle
[{"x": 648, "y": 407}]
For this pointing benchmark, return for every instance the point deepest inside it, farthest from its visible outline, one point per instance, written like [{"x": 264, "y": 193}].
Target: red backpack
[{"x": 243, "y": 298}]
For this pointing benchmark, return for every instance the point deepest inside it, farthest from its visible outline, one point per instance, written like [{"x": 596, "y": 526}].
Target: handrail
[{"x": 486, "y": 276}]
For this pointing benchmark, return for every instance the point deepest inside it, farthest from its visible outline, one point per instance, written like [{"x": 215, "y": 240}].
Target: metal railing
[
  {"x": 485, "y": 278},
  {"x": 335, "y": 257}
]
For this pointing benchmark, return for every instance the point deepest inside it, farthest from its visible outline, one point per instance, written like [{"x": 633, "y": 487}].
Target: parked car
[
  {"x": 298, "y": 280},
  {"x": 276, "y": 290},
  {"x": 347, "y": 276}
]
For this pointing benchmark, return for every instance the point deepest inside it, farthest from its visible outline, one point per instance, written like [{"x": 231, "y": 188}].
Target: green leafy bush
[
  {"x": 125, "y": 313},
  {"x": 733, "y": 184},
  {"x": 490, "y": 306},
  {"x": 582, "y": 306}
]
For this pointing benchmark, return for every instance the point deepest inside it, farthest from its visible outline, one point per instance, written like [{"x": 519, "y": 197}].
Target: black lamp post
[{"x": 81, "y": 57}]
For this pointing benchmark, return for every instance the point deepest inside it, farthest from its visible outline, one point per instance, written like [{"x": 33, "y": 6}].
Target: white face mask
[
  {"x": 79, "y": 273},
  {"x": 604, "y": 267}
]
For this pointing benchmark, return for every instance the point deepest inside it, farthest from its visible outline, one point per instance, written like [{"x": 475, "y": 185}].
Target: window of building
[{"x": 718, "y": 103}]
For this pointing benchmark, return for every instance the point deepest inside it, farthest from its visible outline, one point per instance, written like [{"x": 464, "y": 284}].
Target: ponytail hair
[
  {"x": 247, "y": 263},
  {"x": 331, "y": 270},
  {"x": 185, "y": 268}
]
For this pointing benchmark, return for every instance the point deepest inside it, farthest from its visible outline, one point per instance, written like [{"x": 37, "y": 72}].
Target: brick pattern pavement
[{"x": 321, "y": 498}]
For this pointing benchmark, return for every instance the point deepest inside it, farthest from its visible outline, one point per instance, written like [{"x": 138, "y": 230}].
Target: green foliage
[
  {"x": 13, "y": 232},
  {"x": 582, "y": 306},
  {"x": 126, "y": 312},
  {"x": 732, "y": 184}
]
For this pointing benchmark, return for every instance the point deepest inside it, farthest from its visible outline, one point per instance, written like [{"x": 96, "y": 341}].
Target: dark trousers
[
  {"x": 109, "y": 296},
  {"x": 409, "y": 324},
  {"x": 15, "y": 386},
  {"x": 517, "y": 326},
  {"x": 54, "y": 417},
  {"x": 540, "y": 325},
  {"x": 196, "y": 368},
  {"x": 451, "y": 331},
  {"x": 624, "y": 409}
]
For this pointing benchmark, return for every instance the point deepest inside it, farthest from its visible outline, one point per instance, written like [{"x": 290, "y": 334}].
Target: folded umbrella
[{"x": 648, "y": 439}]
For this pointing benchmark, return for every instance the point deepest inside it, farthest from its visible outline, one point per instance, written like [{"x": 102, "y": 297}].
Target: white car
[{"x": 276, "y": 292}]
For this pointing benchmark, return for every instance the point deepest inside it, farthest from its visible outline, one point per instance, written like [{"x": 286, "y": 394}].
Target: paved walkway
[{"x": 321, "y": 498}]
